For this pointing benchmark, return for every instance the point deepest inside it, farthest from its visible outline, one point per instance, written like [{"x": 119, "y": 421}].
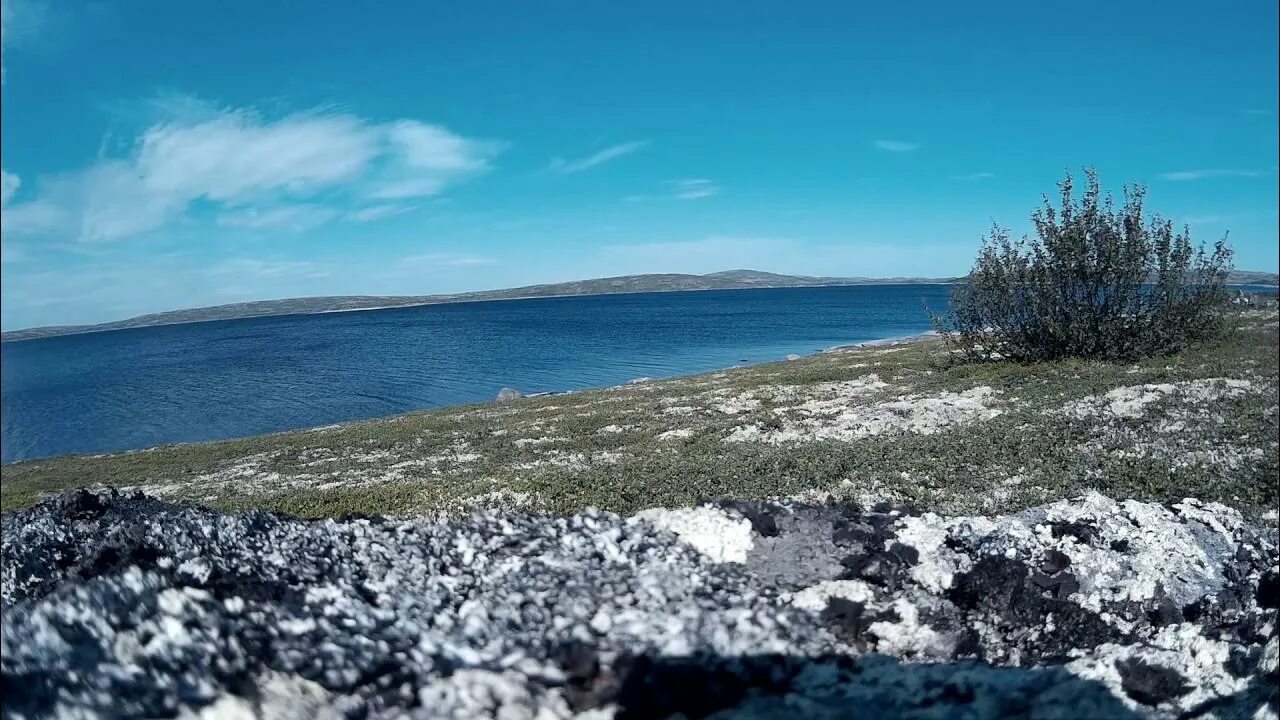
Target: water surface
[{"x": 130, "y": 389}]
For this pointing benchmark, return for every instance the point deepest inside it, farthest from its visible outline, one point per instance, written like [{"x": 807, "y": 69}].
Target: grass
[{"x": 615, "y": 448}]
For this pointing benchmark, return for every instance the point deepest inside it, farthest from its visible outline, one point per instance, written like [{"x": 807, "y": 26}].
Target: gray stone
[{"x": 122, "y": 605}]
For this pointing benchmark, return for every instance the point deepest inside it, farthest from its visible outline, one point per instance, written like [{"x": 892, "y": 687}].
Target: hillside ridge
[{"x": 621, "y": 284}]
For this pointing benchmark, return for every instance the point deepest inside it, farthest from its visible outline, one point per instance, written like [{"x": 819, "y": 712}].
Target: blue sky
[{"x": 164, "y": 155}]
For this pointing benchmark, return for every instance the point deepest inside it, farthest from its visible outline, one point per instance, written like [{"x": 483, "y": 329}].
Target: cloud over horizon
[
  {"x": 256, "y": 172},
  {"x": 1188, "y": 175}
]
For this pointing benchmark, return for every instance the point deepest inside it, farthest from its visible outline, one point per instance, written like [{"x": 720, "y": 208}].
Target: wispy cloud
[
  {"x": 897, "y": 146},
  {"x": 240, "y": 279},
  {"x": 20, "y": 20},
  {"x": 255, "y": 267},
  {"x": 9, "y": 252},
  {"x": 970, "y": 177},
  {"x": 237, "y": 158},
  {"x": 9, "y": 184},
  {"x": 565, "y": 167},
  {"x": 694, "y": 188},
  {"x": 285, "y": 217},
  {"x": 6, "y": 18},
  {"x": 1186, "y": 175},
  {"x": 436, "y": 260},
  {"x": 378, "y": 212},
  {"x": 31, "y": 218}
]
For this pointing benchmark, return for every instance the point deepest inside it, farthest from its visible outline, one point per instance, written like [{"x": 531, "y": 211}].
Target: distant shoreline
[
  {"x": 622, "y": 285},
  {"x": 39, "y": 335}
]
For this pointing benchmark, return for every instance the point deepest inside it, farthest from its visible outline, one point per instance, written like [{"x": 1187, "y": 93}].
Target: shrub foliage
[{"x": 1095, "y": 282}]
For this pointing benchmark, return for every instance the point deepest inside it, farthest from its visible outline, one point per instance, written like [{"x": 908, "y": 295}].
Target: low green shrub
[{"x": 1095, "y": 282}]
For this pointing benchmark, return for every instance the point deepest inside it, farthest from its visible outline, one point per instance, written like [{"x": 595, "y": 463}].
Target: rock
[
  {"x": 1083, "y": 532},
  {"x": 1166, "y": 612},
  {"x": 122, "y": 605},
  {"x": 1269, "y": 590},
  {"x": 1054, "y": 562},
  {"x": 1151, "y": 684},
  {"x": 507, "y": 394}
]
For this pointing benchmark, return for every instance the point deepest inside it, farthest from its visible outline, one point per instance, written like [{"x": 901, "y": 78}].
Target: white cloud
[
  {"x": 6, "y": 21},
  {"x": 241, "y": 268},
  {"x": 20, "y": 21},
  {"x": 378, "y": 212},
  {"x": 406, "y": 189},
  {"x": 6, "y": 18},
  {"x": 30, "y": 218},
  {"x": 564, "y": 167},
  {"x": 236, "y": 158},
  {"x": 897, "y": 146},
  {"x": 284, "y": 217},
  {"x": 9, "y": 252},
  {"x": 694, "y": 188},
  {"x": 434, "y": 260},
  {"x": 1185, "y": 175},
  {"x": 9, "y": 184},
  {"x": 969, "y": 177},
  {"x": 431, "y": 147}
]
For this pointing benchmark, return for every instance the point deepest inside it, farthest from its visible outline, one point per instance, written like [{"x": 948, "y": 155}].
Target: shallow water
[{"x": 137, "y": 388}]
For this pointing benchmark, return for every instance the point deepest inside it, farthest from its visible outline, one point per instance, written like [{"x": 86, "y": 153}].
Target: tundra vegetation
[{"x": 903, "y": 422}]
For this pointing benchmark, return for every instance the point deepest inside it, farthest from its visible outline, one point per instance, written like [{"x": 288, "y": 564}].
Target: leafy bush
[{"x": 1096, "y": 282}]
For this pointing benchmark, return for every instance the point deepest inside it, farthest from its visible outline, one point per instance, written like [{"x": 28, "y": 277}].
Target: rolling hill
[{"x": 658, "y": 282}]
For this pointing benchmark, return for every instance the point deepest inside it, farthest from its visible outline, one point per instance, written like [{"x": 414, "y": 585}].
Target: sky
[{"x": 160, "y": 155}]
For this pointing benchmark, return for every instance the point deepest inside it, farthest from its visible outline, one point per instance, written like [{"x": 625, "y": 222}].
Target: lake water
[{"x": 131, "y": 389}]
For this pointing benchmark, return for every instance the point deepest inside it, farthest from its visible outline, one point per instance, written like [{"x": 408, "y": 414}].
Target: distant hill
[
  {"x": 1249, "y": 277},
  {"x": 666, "y": 282}
]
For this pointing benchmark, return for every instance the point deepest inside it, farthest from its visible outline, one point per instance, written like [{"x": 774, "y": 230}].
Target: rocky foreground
[{"x": 122, "y": 605}]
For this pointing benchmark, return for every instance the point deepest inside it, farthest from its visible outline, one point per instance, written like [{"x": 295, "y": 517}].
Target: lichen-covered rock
[{"x": 118, "y": 605}]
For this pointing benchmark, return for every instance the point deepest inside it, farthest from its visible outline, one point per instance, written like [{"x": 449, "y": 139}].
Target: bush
[{"x": 1094, "y": 283}]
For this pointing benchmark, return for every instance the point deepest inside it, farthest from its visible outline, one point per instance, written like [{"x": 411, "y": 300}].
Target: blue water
[{"x": 131, "y": 389}]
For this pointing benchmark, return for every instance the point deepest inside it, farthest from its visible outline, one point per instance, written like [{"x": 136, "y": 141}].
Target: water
[{"x": 131, "y": 389}]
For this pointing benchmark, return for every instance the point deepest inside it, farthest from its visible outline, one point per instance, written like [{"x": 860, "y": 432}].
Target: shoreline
[
  {"x": 897, "y": 340},
  {"x": 881, "y": 342},
  {"x": 889, "y": 420}
]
